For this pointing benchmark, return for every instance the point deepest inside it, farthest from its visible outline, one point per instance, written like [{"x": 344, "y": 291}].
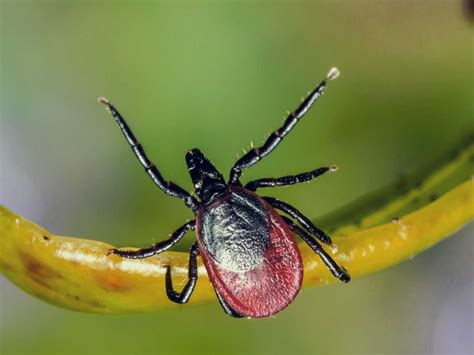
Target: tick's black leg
[
  {"x": 227, "y": 309},
  {"x": 289, "y": 180},
  {"x": 185, "y": 294},
  {"x": 335, "y": 269},
  {"x": 157, "y": 247},
  {"x": 255, "y": 154},
  {"x": 167, "y": 187},
  {"x": 301, "y": 218}
]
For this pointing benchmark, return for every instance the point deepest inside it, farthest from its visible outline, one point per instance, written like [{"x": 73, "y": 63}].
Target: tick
[{"x": 247, "y": 247}]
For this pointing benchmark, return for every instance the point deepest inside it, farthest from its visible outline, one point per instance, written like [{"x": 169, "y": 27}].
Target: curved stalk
[{"x": 383, "y": 229}]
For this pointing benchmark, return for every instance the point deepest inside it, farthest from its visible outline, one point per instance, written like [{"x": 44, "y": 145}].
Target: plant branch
[{"x": 371, "y": 234}]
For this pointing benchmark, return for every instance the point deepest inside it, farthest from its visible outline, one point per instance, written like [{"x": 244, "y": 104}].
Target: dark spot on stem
[
  {"x": 37, "y": 271},
  {"x": 73, "y": 296},
  {"x": 433, "y": 197},
  {"x": 96, "y": 304},
  {"x": 36, "y": 267},
  {"x": 112, "y": 281},
  {"x": 45, "y": 238}
]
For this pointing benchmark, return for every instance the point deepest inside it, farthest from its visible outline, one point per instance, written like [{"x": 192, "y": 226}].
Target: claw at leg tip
[
  {"x": 345, "y": 277},
  {"x": 103, "y": 100},
  {"x": 333, "y": 73}
]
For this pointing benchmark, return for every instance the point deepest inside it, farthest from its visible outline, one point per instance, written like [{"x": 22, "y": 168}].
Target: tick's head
[{"x": 208, "y": 182}]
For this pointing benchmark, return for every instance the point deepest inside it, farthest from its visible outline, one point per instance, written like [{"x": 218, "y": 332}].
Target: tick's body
[
  {"x": 247, "y": 248},
  {"x": 251, "y": 255}
]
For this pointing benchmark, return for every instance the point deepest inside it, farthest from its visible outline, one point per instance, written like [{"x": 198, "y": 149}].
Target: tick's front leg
[{"x": 156, "y": 248}]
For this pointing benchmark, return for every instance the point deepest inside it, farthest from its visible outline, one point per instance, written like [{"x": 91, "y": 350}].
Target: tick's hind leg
[
  {"x": 301, "y": 218},
  {"x": 227, "y": 309},
  {"x": 157, "y": 247},
  {"x": 335, "y": 269},
  {"x": 185, "y": 294},
  {"x": 290, "y": 179}
]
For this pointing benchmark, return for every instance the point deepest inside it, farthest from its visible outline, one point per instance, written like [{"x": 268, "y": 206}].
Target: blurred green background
[{"x": 217, "y": 75}]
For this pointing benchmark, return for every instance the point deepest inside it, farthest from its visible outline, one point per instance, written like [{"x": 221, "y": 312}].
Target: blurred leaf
[
  {"x": 408, "y": 193},
  {"x": 78, "y": 274}
]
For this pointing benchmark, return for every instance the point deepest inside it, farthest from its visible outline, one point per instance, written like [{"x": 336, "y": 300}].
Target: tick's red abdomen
[{"x": 256, "y": 267}]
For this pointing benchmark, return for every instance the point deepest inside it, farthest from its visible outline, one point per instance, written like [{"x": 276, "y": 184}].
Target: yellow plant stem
[
  {"x": 377, "y": 248},
  {"x": 79, "y": 274}
]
